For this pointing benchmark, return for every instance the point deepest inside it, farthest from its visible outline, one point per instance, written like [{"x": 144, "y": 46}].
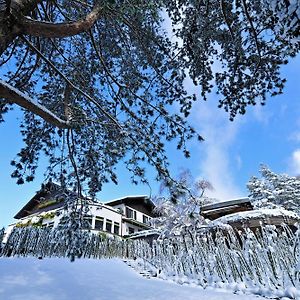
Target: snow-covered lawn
[{"x": 59, "y": 279}]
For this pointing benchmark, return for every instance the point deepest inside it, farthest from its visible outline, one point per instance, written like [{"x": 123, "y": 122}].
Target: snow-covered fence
[
  {"x": 267, "y": 262},
  {"x": 44, "y": 242},
  {"x": 2, "y": 232}
]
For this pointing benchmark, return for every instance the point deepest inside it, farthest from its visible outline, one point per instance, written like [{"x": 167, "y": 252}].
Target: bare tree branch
[
  {"x": 52, "y": 30},
  {"x": 15, "y": 96}
]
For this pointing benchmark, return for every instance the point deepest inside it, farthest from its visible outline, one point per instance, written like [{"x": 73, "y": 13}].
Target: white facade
[
  {"x": 120, "y": 220},
  {"x": 133, "y": 220}
]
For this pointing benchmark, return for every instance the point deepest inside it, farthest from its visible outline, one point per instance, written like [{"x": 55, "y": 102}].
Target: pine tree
[
  {"x": 179, "y": 209},
  {"x": 275, "y": 190},
  {"x": 100, "y": 82}
]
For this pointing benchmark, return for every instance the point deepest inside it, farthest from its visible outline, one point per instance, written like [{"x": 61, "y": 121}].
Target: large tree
[
  {"x": 274, "y": 190},
  {"x": 96, "y": 79},
  {"x": 178, "y": 208}
]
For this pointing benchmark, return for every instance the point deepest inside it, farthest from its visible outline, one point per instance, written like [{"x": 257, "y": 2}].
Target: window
[
  {"x": 130, "y": 230},
  {"x": 99, "y": 223},
  {"x": 130, "y": 213},
  {"x": 120, "y": 210},
  {"x": 108, "y": 225},
  {"x": 116, "y": 228},
  {"x": 146, "y": 219}
]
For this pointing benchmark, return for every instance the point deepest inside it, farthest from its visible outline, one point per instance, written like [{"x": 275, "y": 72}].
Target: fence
[
  {"x": 44, "y": 242},
  {"x": 267, "y": 262}
]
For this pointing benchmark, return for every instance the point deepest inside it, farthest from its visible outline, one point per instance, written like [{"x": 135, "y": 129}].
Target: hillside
[{"x": 59, "y": 279}]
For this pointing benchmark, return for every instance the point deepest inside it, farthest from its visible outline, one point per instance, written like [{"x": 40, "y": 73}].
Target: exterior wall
[
  {"x": 109, "y": 216},
  {"x": 120, "y": 208},
  {"x": 138, "y": 215},
  {"x": 114, "y": 222},
  {"x": 140, "y": 208},
  {"x": 135, "y": 215},
  {"x": 129, "y": 228}
]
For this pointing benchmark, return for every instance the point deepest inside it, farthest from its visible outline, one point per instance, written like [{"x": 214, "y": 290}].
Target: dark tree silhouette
[{"x": 100, "y": 82}]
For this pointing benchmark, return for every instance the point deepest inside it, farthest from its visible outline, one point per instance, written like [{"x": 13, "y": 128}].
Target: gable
[
  {"x": 50, "y": 196},
  {"x": 139, "y": 203}
]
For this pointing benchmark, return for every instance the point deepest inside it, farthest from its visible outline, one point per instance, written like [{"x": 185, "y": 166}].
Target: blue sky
[{"x": 231, "y": 153}]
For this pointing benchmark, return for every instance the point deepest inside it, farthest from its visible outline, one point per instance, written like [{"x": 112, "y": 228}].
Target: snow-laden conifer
[
  {"x": 101, "y": 82},
  {"x": 179, "y": 207},
  {"x": 275, "y": 190}
]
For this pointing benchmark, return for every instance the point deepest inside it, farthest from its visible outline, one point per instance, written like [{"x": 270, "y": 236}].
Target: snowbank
[{"x": 58, "y": 279}]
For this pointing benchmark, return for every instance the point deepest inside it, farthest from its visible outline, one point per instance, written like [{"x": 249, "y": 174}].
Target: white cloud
[
  {"x": 216, "y": 168},
  {"x": 262, "y": 114},
  {"x": 216, "y": 162},
  {"x": 239, "y": 162},
  {"x": 295, "y": 162}
]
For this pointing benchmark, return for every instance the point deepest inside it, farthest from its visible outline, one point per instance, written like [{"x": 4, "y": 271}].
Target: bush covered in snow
[
  {"x": 265, "y": 263},
  {"x": 45, "y": 242}
]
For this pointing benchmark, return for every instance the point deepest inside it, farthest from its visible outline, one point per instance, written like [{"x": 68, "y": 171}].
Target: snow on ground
[{"x": 59, "y": 279}]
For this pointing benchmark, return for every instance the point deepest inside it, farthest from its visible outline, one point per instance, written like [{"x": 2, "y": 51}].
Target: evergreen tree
[
  {"x": 100, "y": 81},
  {"x": 275, "y": 190},
  {"x": 179, "y": 210}
]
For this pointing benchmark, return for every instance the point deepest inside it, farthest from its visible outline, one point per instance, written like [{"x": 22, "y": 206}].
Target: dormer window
[
  {"x": 146, "y": 219},
  {"x": 130, "y": 213}
]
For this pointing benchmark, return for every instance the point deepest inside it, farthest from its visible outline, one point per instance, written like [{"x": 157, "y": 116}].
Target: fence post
[{"x": 2, "y": 232}]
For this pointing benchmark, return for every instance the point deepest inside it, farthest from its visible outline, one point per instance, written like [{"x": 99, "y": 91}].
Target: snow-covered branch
[
  {"x": 15, "y": 96},
  {"x": 53, "y": 30}
]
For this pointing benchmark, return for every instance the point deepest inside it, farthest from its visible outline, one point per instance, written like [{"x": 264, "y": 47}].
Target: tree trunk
[
  {"x": 14, "y": 21},
  {"x": 8, "y": 32},
  {"x": 9, "y": 12}
]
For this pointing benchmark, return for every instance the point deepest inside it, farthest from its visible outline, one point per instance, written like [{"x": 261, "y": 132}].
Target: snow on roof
[
  {"x": 145, "y": 233},
  {"x": 226, "y": 203},
  {"x": 254, "y": 214},
  {"x": 127, "y": 197}
]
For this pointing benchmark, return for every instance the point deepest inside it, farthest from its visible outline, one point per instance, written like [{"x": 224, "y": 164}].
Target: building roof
[
  {"x": 222, "y": 204},
  {"x": 46, "y": 189},
  {"x": 255, "y": 218},
  {"x": 52, "y": 190},
  {"x": 127, "y": 200},
  {"x": 219, "y": 209}
]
